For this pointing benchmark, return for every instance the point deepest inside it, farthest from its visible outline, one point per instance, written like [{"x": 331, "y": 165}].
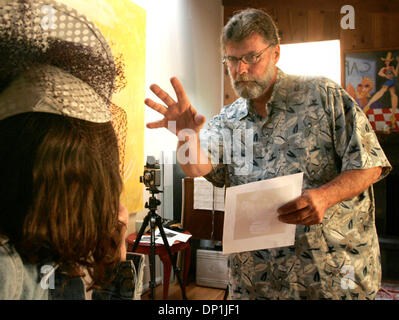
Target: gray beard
[{"x": 252, "y": 88}]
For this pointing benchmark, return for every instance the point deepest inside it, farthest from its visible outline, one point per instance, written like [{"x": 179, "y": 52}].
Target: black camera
[{"x": 152, "y": 173}]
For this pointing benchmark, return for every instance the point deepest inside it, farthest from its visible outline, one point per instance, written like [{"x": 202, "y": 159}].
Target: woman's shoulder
[
  {"x": 18, "y": 280},
  {"x": 8, "y": 270}
]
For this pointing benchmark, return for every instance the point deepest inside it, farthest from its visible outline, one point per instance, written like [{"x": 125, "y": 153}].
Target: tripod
[{"x": 155, "y": 220}]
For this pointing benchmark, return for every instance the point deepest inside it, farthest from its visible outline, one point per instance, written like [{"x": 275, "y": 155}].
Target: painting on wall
[
  {"x": 123, "y": 24},
  {"x": 371, "y": 78}
]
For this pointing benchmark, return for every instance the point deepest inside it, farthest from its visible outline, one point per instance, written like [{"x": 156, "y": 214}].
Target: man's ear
[{"x": 276, "y": 53}]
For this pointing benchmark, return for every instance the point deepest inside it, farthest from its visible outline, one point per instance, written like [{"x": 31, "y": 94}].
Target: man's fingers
[
  {"x": 157, "y": 124},
  {"x": 290, "y": 218},
  {"x": 180, "y": 93},
  {"x": 293, "y": 206},
  {"x": 199, "y": 120},
  {"x": 161, "y": 94},
  {"x": 308, "y": 221},
  {"x": 296, "y": 217},
  {"x": 156, "y": 106}
]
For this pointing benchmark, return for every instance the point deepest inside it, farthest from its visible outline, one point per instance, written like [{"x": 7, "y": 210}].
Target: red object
[
  {"x": 381, "y": 117},
  {"x": 161, "y": 251}
]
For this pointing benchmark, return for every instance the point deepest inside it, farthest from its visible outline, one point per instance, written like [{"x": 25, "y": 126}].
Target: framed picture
[{"x": 371, "y": 77}]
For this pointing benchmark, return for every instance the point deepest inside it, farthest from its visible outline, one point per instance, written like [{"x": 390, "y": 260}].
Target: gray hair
[{"x": 247, "y": 22}]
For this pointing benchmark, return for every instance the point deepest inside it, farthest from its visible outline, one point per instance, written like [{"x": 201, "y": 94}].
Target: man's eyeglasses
[{"x": 247, "y": 59}]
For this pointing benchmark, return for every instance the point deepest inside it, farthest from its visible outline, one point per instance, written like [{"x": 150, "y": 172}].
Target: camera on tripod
[
  {"x": 152, "y": 179},
  {"x": 152, "y": 173}
]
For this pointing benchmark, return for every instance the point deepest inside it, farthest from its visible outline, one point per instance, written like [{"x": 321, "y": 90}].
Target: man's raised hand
[{"x": 182, "y": 113}]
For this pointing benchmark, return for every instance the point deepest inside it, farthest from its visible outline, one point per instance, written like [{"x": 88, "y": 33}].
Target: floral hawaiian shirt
[{"x": 312, "y": 126}]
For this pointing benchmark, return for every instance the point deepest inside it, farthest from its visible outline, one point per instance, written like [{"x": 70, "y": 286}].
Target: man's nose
[{"x": 242, "y": 67}]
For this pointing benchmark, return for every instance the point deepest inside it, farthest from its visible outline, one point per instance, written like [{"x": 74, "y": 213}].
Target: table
[{"x": 161, "y": 251}]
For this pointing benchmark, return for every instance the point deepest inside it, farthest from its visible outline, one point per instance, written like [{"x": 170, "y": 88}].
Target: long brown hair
[{"x": 59, "y": 192}]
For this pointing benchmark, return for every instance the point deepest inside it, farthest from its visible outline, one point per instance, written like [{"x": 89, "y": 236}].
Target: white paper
[
  {"x": 219, "y": 199},
  {"x": 250, "y": 218},
  {"x": 203, "y": 194},
  {"x": 206, "y": 196},
  {"x": 171, "y": 237}
]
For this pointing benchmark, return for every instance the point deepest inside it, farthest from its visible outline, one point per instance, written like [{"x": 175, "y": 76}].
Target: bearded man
[{"x": 297, "y": 124}]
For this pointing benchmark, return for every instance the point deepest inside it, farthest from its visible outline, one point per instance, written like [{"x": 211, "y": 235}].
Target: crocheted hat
[{"x": 53, "y": 59}]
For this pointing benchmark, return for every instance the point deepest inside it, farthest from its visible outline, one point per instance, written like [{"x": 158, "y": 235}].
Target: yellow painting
[{"x": 123, "y": 24}]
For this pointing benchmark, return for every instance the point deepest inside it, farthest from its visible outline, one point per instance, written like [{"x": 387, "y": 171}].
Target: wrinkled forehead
[{"x": 249, "y": 45}]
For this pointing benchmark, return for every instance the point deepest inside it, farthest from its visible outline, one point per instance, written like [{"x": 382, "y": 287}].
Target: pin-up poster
[
  {"x": 123, "y": 24},
  {"x": 371, "y": 78}
]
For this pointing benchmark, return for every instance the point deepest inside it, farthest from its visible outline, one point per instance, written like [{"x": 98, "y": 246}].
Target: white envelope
[{"x": 250, "y": 217}]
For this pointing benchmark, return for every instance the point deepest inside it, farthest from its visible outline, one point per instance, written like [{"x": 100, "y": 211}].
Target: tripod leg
[
  {"x": 152, "y": 259},
  {"x": 166, "y": 244},
  {"x": 226, "y": 293},
  {"x": 140, "y": 234},
  {"x": 147, "y": 220}
]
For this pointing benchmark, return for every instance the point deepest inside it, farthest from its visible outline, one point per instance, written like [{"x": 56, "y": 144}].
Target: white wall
[
  {"x": 313, "y": 57},
  {"x": 183, "y": 41}
]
